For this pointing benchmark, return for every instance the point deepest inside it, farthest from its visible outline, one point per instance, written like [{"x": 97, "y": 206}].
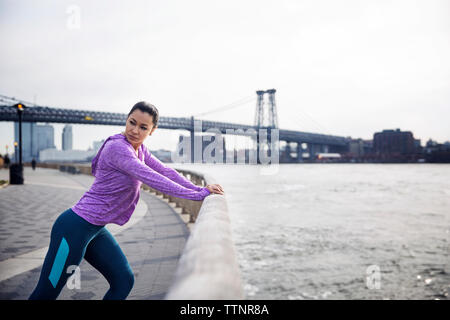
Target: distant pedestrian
[
  {"x": 120, "y": 166},
  {"x": 7, "y": 161},
  {"x": 2, "y": 162},
  {"x": 33, "y": 164}
]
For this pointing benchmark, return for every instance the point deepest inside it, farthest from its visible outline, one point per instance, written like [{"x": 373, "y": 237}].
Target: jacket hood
[{"x": 95, "y": 160}]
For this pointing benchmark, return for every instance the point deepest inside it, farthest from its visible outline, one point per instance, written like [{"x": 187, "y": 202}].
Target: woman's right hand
[{"x": 215, "y": 188}]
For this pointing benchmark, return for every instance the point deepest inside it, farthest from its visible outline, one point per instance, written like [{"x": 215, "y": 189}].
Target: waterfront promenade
[{"x": 153, "y": 240}]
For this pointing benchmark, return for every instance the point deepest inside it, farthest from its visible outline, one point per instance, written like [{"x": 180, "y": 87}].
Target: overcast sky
[{"x": 347, "y": 68}]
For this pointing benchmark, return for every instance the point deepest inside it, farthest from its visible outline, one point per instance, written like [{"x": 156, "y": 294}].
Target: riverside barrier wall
[{"x": 208, "y": 268}]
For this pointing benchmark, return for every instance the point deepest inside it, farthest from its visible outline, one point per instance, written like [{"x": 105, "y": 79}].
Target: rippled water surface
[{"x": 316, "y": 231}]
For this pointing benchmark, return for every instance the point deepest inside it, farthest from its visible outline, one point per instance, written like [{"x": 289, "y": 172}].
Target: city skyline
[
  {"x": 66, "y": 132},
  {"x": 38, "y": 136},
  {"x": 348, "y": 69}
]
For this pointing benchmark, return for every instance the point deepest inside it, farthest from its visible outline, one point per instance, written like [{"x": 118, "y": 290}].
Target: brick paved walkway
[{"x": 153, "y": 245}]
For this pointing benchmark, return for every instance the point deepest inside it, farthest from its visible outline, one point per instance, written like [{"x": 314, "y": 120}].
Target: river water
[{"x": 339, "y": 231}]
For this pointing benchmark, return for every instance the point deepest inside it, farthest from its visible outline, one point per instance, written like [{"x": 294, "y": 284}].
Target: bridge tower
[
  {"x": 266, "y": 111},
  {"x": 265, "y": 118}
]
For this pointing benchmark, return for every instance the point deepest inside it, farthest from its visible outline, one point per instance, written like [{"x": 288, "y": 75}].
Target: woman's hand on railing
[{"x": 215, "y": 188}]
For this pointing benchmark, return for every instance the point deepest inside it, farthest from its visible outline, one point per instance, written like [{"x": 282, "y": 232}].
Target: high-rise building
[
  {"x": 34, "y": 139},
  {"x": 67, "y": 137},
  {"x": 395, "y": 146},
  {"x": 45, "y": 137},
  {"x": 29, "y": 145},
  {"x": 394, "y": 142}
]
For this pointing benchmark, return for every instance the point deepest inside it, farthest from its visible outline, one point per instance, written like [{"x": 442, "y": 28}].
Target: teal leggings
[{"x": 72, "y": 239}]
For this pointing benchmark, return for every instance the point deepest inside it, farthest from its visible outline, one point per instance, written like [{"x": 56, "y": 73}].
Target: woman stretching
[{"x": 120, "y": 167}]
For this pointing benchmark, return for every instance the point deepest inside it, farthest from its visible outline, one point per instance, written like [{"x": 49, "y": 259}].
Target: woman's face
[{"x": 139, "y": 126}]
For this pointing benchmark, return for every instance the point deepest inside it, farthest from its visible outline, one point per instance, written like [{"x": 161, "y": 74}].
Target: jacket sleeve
[
  {"x": 168, "y": 172},
  {"x": 124, "y": 159}
]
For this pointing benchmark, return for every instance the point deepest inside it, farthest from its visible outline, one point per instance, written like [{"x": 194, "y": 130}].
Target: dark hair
[{"x": 146, "y": 107}]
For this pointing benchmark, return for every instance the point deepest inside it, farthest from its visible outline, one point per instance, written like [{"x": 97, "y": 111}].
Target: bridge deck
[{"x": 56, "y": 115}]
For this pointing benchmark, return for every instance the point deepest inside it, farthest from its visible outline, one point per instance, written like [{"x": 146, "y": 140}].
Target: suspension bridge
[{"x": 298, "y": 143}]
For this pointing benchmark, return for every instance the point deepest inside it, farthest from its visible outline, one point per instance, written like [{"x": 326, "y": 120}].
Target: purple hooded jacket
[{"x": 119, "y": 173}]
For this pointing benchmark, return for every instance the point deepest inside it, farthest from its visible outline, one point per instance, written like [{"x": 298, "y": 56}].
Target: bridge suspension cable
[
  {"x": 13, "y": 100},
  {"x": 233, "y": 105},
  {"x": 306, "y": 123}
]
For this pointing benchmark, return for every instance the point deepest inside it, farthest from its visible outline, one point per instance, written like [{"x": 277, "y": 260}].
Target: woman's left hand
[{"x": 215, "y": 188}]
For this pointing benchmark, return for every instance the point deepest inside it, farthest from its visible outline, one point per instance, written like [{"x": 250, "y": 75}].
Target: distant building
[
  {"x": 34, "y": 139},
  {"x": 356, "y": 148},
  {"x": 67, "y": 137},
  {"x": 436, "y": 152},
  {"x": 46, "y": 137},
  {"x": 367, "y": 146},
  {"x": 54, "y": 155},
  {"x": 431, "y": 144},
  {"x": 359, "y": 150},
  {"x": 395, "y": 145},
  {"x": 417, "y": 144},
  {"x": 29, "y": 145},
  {"x": 393, "y": 141}
]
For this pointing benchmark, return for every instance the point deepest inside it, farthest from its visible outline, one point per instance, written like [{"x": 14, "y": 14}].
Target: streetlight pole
[
  {"x": 16, "y": 170},
  {"x": 20, "y": 112}
]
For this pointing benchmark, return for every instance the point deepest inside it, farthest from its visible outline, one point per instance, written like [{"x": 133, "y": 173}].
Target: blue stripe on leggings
[{"x": 60, "y": 261}]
